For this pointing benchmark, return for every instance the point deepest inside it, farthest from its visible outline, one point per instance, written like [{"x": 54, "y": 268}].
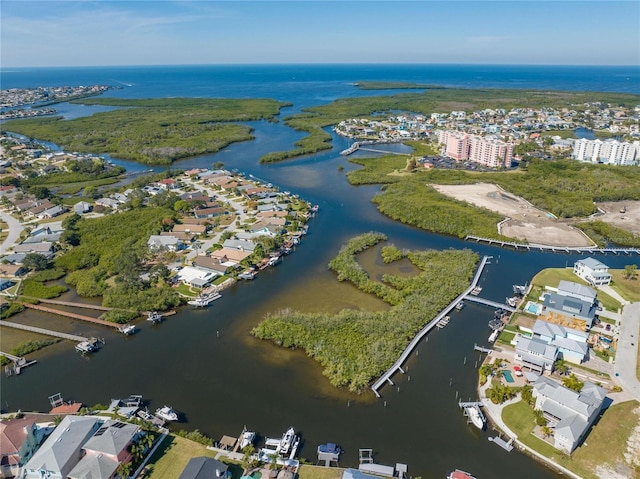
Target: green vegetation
[
  {"x": 14, "y": 308},
  {"x": 196, "y": 436},
  {"x": 553, "y": 276},
  {"x": 355, "y": 346},
  {"x": 308, "y": 471},
  {"x": 172, "y": 456},
  {"x": 154, "y": 131},
  {"x": 605, "y": 446},
  {"x": 628, "y": 288},
  {"x": 109, "y": 255},
  {"x": 37, "y": 289},
  {"x": 26, "y": 347},
  {"x": 442, "y": 100},
  {"x": 47, "y": 274},
  {"x": 603, "y": 233},
  {"x": 393, "y": 85}
]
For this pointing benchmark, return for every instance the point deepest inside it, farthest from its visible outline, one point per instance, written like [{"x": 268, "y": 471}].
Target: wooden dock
[
  {"x": 488, "y": 302},
  {"x": 553, "y": 249},
  {"x": 397, "y": 366},
  {"x": 68, "y": 314},
  {"x": 46, "y": 332},
  {"x": 75, "y": 305}
]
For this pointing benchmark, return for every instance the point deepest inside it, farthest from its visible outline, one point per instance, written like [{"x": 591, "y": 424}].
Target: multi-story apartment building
[
  {"x": 609, "y": 151},
  {"x": 487, "y": 151}
]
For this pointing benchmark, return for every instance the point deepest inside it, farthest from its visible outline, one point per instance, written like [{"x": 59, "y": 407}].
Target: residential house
[
  {"x": 567, "y": 309},
  {"x": 62, "y": 450},
  {"x": 202, "y": 213},
  {"x": 19, "y": 439},
  {"x": 108, "y": 203},
  {"x": 241, "y": 245},
  {"x": 12, "y": 270},
  {"x": 535, "y": 354},
  {"x": 204, "y": 468},
  {"x": 230, "y": 255},
  {"x": 592, "y": 271},
  {"x": 579, "y": 291},
  {"x": 53, "y": 212},
  {"x": 189, "y": 228},
  {"x": 207, "y": 263},
  {"x": 105, "y": 451},
  {"x": 196, "y": 277},
  {"x": 571, "y": 343},
  {"x": 44, "y": 248},
  {"x": 159, "y": 243},
  {"x": 569, "y": 413},
  {"x": 82, "y": 207}
]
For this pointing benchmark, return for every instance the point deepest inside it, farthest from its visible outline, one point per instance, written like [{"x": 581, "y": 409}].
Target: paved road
[
  {"x": 627, "y": 353},
  {"x": 15, "y": 228}
]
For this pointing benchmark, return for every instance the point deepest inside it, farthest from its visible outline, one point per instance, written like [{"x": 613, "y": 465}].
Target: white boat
[
  {"x": 167, "y": 414},
  {"x": 89, "y": 346},
  {"x": 476, "y": 291},
  {"x": 476, "y": 416},
  {"x": 206, "y": 300},
  {"x": 460, "y": 305},
  {"x": 494, "y": 335},
  {"x": 247, "y": 438},
  {"x": 127, "y": 329},
  {"x": 154, "y": 317},
  {"x": 287, "y": 441}
]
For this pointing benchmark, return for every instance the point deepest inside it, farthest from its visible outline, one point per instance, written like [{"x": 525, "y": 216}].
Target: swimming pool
[
  {"x": 532, "y": 308},
  {"x": 507, "y": 375}
]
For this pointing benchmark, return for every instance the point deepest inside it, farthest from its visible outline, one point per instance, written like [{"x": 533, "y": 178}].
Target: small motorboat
[
  {"x": 247, "y": 438},
  {"x": 154, "y": 317},
  {"x": 127, "y": 329},
  {"x": 167, "y": 413}
]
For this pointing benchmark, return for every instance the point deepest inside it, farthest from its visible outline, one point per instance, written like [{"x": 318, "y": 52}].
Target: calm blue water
[{"x": 307, "y": 85}]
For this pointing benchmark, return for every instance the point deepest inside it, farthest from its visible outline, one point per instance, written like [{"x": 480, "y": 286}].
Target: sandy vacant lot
[
  {"x": 524, "y": 222},
  {"x": 629, "y": 220}
]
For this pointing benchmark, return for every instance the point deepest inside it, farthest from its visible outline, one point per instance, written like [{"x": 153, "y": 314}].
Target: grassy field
[
  {"x": 604, "y": 446},
  {"x": 318, "y": 472},
  {"x": 173, "y": 455},
  {"x": 629, "y": 289},
  {"x": 553, "y": 276}
]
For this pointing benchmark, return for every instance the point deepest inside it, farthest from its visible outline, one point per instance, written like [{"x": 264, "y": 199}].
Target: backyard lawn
[
  {"x": 604, "y": 447},
  {"x": 629, "y": 289}
]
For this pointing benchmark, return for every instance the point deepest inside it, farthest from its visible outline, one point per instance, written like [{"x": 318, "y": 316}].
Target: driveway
[
  {"x": 627, "y": 353},
  {"x": 15, "y": 228}
]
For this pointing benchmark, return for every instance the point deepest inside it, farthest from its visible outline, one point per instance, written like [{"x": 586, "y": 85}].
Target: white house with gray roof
[
  {"x": 62, "y": 450},
  {"x": 569, "y": 413},
  {"x": 578, "y": 291},
  {"x": 592, "y": 271},
  {"x": 535, "y": 354},
  {"x": 571, "y": 343},
  {"x": 157, "y": 243}
]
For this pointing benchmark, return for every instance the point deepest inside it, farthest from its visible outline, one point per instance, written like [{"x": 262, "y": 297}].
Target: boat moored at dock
[
  {"x": 204, "y": 300},
  {"x": 127, "y": 329},
  {"x": 91, "y": 345},
  {"x": 167, "y": 414},
  {"x": 154, "y": 317}
]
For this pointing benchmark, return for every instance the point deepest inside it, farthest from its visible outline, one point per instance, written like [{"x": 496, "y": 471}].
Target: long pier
[
  {"x": 554, "y": 249},
  {"x": 46, "y": 332},
  {"x": 72, "y": 315},
  {"x": 75, "y": 305},
  {"x": 13, "y": 358},
  {"x": 397, "y": 366},
  {"x": 488, "y": 302}
]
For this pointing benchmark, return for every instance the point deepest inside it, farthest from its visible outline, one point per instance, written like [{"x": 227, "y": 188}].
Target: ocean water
[{"x": 307, "y": 85}]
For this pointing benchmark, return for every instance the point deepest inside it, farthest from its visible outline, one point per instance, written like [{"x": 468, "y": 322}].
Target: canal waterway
[{"x": 205, "y": 364}]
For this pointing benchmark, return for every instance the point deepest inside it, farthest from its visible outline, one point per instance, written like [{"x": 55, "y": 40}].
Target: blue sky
[{"x": 87, "y": 33}]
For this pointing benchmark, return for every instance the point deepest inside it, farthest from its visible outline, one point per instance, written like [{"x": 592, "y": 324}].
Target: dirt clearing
[{"x": 525, "y": 221}]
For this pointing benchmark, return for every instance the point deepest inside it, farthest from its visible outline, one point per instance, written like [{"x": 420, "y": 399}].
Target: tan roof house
[{"x": 230, "y": 255}]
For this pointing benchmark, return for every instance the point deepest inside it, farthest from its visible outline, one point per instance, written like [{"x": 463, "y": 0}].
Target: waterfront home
[
  {"x": 230, "y": 255},
  {"x": 571, "y": 343},
  {"x": 578, "y": 291},
  {"x": 105, "y": 451},
  {"x": 535, "y": 354},
  {"x": 570, "y": 413},
  {"x": 62, "y": 450},
  {"x": 44, "y": 248},
  {"x": 196, "y": 277},
  {"x": 570, "y": 309},
  {"x": 204, "y": 468},
  {"x": 592, "y": 271},
  {"x": 19, "y": 439},
  {"x": 207, "y": 263}
]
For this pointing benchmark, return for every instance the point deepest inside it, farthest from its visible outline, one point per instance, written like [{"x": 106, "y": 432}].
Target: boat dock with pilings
[
  {"x": 553, "y": 249},
  {"x": 45, "y": 332},
  {"x": 397, "y": 366}
]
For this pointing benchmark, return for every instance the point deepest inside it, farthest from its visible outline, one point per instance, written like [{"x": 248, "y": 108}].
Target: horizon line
[{"x": 8, "y": 68}]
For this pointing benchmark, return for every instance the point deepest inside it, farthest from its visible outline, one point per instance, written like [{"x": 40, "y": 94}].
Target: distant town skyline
[{"x": 96, "y": 33}]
